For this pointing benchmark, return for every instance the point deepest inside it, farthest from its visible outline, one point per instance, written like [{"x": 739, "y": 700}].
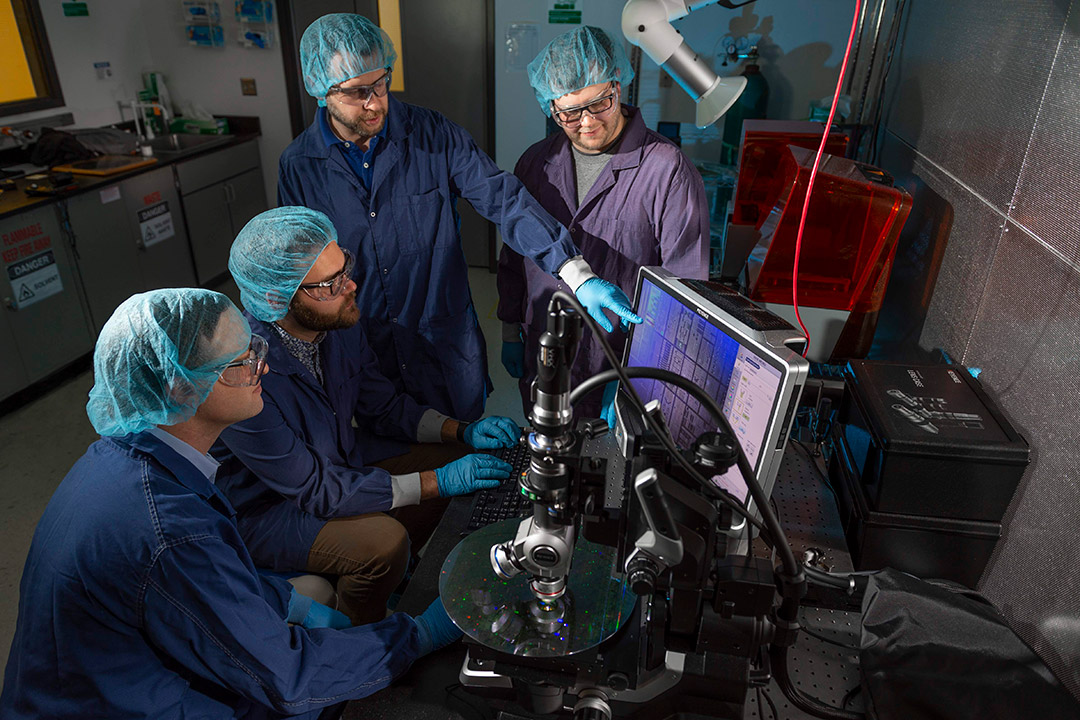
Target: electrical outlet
[{"x": 247, "y": 86}]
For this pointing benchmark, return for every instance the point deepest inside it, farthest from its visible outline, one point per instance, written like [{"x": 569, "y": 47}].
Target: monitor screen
[{"x": 745, "y": 384}]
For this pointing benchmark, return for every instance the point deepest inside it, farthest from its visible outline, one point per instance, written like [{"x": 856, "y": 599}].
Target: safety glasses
[
  {"x": 571, "y": 117},
  {"x": 249, "y": 371},
  {"x": 360, "y": 94},
  {"x": 330, "y": 289}
]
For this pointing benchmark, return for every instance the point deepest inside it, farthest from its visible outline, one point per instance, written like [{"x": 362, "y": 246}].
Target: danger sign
[
  {"x": 34, "y": 279},
  {"x": 155, "y": 224}
]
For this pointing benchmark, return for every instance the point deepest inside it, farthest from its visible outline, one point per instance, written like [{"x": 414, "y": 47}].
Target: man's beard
[
  {"x": 346, "y": 317},
  {"x": 356, "y": 126}
]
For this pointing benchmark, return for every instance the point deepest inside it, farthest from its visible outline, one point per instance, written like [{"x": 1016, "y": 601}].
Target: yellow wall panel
[
  {"x": 390, "y": 21},
  {"x": 17, "y": 83}
]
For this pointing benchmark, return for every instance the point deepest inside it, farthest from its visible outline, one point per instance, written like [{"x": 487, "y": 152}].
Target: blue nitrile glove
[
  {"x": 513, "y": 358},
  {"x": 435, "y": 627},
  {"x": 492, "y": 432},
  {"x": 310, "y": 614},
  {"x": 472, "y": 472},
  {"x": 607, "y": 406},
  {"x": 596, "y": 294}
]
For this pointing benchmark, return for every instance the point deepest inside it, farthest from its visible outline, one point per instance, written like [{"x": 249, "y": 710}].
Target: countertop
[{"x": 17, "y": 201}]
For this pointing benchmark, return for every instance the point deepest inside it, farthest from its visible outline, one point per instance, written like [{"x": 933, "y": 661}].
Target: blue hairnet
[
  {"x": 339, "y": 47},
  {"x": 577, "y": 59},
  {"x": 158, "y": 356},
  {"x": 273, "y": 253}
]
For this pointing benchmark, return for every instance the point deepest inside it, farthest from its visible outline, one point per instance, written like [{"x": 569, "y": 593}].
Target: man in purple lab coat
[{"x": 628, "y": 196}]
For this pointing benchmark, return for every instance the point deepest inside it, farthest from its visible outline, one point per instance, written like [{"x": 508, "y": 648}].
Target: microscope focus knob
[
  {"x": 716, "y": 451},
  {"x": 642, "y": 574}
]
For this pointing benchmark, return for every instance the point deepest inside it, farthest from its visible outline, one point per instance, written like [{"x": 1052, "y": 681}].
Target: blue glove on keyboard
[
  {"x": 472, "y": 472},
  {"x": 435, "y": 627},
  {"x": 596, "y": 294},
  {"x": 513, "y": 358},
  {"x": 607, "y": 407},
  {"x": 492, "y": 432},
  {"x": 310, "y": 614}
]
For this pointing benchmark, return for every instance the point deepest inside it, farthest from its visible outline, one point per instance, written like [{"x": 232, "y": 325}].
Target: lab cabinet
[
  {"x": 130, "y": 237},
  {"x": 221, "y": 192},
  {"x": 43, "y": 320}
]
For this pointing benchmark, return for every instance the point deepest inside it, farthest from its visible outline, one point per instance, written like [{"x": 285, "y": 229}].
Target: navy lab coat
[
  {"x": 411, "y": 276},
  {"x": 300, "y": 461},
  {"x": 139, "y": 600}
]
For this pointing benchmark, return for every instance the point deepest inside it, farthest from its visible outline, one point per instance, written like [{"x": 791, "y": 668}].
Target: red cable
[{"x": 813, "y": 175}]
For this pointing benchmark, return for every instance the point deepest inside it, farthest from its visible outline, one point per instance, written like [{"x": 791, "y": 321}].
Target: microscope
[{"x": 618, "y": 597}]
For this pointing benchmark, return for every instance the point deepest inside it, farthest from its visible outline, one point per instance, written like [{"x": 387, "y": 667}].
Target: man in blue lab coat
[
  {"x": 138, "y": 598},
  {"x": 388, "y": 175},
  {"x": 312, "y": 492}
]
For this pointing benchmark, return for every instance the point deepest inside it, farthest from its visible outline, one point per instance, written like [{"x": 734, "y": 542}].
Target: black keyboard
[{"x": 506, "y": 501}]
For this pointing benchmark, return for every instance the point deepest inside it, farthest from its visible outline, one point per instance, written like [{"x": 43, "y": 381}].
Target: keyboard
[{"x": 506, "y": 501}]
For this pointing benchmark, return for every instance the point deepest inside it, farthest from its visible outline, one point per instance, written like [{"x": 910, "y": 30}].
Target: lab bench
[
  {"x": 807, "y": 510},
  {"x": 70, "y": 259}
]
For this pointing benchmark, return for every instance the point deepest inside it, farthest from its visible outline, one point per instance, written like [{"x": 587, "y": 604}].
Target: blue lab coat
[
  {"x": 300, "y": 461},
  {"x": 139, "y": 600},
  {"x": 413, "y": 284}
]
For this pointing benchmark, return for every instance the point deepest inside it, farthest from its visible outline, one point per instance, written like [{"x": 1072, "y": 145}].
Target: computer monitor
[{"x": 743, "y": 356}]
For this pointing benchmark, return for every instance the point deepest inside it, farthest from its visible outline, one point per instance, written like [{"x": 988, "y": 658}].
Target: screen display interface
[{"x": 674, "y": 337}]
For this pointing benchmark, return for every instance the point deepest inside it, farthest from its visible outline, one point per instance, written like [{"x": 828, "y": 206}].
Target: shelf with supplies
[
  {"x": 256, "y": 21},
  {"x": 202, "y": 23}
]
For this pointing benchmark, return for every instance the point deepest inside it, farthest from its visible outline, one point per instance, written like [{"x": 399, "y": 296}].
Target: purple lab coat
[{"x": 647, "y": 207}]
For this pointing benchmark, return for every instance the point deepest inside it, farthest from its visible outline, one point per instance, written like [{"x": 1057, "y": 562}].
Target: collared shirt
[
  {"x": 361, "y": 161},
  {"x": 205, "y": 464},
  {"x": 306, "y": 352}
]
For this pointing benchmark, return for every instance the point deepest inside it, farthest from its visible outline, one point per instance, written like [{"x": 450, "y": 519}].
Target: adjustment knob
[
  {"x": 716, "y": 451},
  {"x": 642, "y": 575}
]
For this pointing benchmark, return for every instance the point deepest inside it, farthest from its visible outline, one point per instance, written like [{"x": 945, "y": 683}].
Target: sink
[{"x": 177, "y": 143}]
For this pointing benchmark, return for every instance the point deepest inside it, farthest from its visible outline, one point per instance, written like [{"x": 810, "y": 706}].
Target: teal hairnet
[
  {"x": 158, "y": 356},
  {"x": 339, "y": 47},
  {"x": 273, "y": 253},
  {"x": 577, "y": 59}
]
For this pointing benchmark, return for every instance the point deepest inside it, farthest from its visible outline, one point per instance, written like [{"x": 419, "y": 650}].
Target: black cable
[
  {"x": 813, "y": 461},
  {"x": 822, "y": 638},
  {"x": 807, "y": 704},
  {"x": 772, "y": 705},
  {"x": 894, "y": 35},
  {"x": 603, "y": 378},
  {"x": 789, "y": 608},
  {"x": 844, "y": 582},
  {"x": 850, "y": 695}
]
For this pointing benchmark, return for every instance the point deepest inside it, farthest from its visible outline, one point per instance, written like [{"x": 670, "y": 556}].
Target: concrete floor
[{"x": 44, "y": 438}]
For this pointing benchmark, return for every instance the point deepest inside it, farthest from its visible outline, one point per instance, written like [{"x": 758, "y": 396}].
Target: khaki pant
[{"x": 370, "y": 553}]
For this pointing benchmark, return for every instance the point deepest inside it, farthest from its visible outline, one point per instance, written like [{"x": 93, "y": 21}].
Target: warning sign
[
  {"x": 34, "y": 279},
  {"x": 155, "y": 224}
]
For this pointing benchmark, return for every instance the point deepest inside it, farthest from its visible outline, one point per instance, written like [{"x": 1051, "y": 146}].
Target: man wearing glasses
[
  {"x": 388, "y": 175},
  {"x": 139, "y": 598},
  {"x": 628, "y": 196},
  {"x": 313, "y": 492}
]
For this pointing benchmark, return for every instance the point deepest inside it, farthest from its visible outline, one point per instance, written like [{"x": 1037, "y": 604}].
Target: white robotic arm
[{"x": 647, "y": 24}]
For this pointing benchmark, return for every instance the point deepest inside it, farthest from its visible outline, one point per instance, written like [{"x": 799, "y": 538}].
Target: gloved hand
[
  {"x": 305, "y": 611},
  {"x": 513, "y": 358},
  {"x": 607, "y": 407},
  {"x": 472, "y": 472},
  {"x": 492, "y": 432},
  {"x": 596, "y": 294},
  {"x": 435, "y": 627}
]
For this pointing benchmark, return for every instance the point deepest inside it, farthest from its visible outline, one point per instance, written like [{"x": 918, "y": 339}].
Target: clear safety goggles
[
  {"x": 330, "y": 289},
  {"x": 249, "y": 371},
  {"x": 360, "y": 94},
  {"x": 571, "y": 117}
]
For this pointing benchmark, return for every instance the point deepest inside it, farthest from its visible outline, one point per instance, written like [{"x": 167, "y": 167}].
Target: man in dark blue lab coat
[
  {"x": 138, "y": 598},
  {"x": 301, "y": 476},
  {"x": 388, "y": 175}
]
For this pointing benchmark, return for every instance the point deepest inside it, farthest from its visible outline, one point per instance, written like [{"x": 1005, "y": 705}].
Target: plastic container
[
  {"x": 762, "y": 146},
  {"x": 927, "y": 440},
  {"x": 850, "y": 238}
]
